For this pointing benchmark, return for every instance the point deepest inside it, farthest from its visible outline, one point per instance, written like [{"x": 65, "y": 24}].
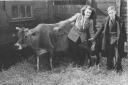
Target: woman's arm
[
  {"x": 92, "y": 30},
  {"x": 61, "y": 24},
  {"x": 73, "y": 18},
  {"x": 98, "y": 31}
]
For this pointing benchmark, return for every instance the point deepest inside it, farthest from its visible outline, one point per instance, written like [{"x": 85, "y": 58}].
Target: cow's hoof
[
  {"x": 110, "y": 68},
  {"x": 119, "y": 71}
]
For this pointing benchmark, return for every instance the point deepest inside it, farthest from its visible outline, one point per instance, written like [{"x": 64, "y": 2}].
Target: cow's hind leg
[
  {"x": 98, "y": 56},
  {"x": 87, "y": 59}
]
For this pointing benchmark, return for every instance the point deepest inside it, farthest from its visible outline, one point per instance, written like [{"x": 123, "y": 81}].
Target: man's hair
[
  {"x": 90, "y": 8},
  {"x": 111, "y": 8}
]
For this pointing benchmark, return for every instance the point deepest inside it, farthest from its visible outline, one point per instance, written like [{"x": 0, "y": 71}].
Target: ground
[{"x": 25, "y": 74}]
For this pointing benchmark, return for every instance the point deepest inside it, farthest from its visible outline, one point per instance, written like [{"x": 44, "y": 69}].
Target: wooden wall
[
  {"x": 124, "y": 12},
  {"x": 58, "y": 11},
  {"x": 62, "y": 12},
  {"x": 39, "y": 12},
  {"x": 3, "y": 17},
  {"x": 101, "y": 7}
]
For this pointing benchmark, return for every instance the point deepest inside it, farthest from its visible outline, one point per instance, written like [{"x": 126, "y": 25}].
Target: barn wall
[
  {"x": 27, "y": 22},
  {"x": 40, "y": 10},
  {"x": 101, "y": 6},
  {"x": 4, "y": 25},
  {"x": 45, "y": 11},
  {"x": 62, "y": 12},
  {"x": 10, "y": 3},
  {"x": 3, "y": 18},
  {"x": 58, "y": 12},
  {"x": 124, "y": 12}
]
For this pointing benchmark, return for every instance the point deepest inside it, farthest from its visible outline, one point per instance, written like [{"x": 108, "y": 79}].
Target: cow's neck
[{"x": 29, "y": 41}]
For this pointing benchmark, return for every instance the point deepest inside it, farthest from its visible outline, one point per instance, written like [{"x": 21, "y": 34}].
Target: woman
[{"x": 81, "y": 33}]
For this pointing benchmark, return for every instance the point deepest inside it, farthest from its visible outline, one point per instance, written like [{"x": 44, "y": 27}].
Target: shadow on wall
[{"x": 9, "y": 55}]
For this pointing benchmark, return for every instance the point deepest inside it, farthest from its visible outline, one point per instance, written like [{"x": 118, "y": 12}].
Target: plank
[{"x": 118, "y": 5}]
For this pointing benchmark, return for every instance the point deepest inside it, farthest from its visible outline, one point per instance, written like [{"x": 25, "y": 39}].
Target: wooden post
[
  {"x": 51, "y": 10},
  {"x": 89, "y": 2},
  {"x": 127, "y": 17},
  {"x": 118, "y": 5}
]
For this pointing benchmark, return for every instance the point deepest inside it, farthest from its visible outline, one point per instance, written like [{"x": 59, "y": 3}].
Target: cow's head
[{"x": 23, "y": 38}]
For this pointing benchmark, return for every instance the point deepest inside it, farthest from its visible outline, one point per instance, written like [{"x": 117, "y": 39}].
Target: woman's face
[{"x": 87, "y": 13}]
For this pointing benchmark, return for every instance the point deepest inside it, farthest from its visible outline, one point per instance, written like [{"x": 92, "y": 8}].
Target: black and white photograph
[{"x": 63, "y": 42}]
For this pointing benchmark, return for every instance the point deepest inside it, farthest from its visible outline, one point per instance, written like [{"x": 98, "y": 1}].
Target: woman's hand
[
  {"x": 91, "y": 39},
  {"x": 56, "y": 28}
]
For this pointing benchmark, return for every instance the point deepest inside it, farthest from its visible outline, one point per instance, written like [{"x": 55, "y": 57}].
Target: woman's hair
[{"x": 90, "y": 8}]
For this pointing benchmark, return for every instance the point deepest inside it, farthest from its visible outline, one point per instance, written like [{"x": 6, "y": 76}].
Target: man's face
[
  {"x": 87, "y": 13},
  {"x": 112, "y": 13}
]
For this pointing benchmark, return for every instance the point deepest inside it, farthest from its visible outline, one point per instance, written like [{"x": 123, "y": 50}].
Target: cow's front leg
[
  {"x": 51, "y": 62},
  {"x": 37, "y": 65},
  {"x": 51, "y": 59},
  {"x": 39, "y": 55}
]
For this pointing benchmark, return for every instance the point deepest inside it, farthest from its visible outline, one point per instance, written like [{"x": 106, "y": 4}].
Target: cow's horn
[{"x": 17, "y": 28}]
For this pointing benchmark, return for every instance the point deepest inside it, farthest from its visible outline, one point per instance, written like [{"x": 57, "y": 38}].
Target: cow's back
[
  {"x": 50, "y": 39},
  {"x": 62, "y": 43}
]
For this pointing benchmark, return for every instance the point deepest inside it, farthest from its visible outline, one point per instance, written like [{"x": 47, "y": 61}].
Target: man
[{"x": 113, "y": 40}]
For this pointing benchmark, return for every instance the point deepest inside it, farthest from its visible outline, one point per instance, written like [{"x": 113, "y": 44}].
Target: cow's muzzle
[{"x": 19, "y": 46}]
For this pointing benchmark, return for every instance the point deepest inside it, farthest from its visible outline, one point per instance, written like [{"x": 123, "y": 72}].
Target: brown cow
[{"x": 44, "y": 39}]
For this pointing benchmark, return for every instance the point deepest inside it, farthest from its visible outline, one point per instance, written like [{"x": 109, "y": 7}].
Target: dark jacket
[{"x": 121, "y": 35}]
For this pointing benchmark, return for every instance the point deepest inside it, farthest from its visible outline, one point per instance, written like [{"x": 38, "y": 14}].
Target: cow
[{"x": 43, "y": 39}]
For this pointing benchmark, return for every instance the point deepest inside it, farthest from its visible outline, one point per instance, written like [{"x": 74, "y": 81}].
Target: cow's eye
[
  {"x": 34, "y": 33},
  {"x": 25, "y": 36}
]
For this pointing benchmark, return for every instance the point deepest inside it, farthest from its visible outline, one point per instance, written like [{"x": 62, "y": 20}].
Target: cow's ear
[
  {"x": 17, "y": 28},
  {"x": 26, "y": 29}
]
